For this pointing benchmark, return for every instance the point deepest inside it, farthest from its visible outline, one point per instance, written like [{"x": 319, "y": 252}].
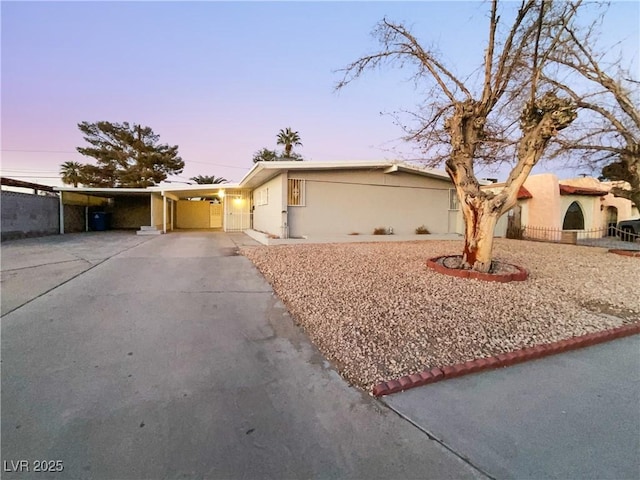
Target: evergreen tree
[
  {"x": 126, "y": 155},
  {"x": 265, "y": 155}
]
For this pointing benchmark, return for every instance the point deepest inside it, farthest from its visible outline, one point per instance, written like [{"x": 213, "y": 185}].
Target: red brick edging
[
  {"x": 502, "y": 360},
  {"x": 626, "y": 253},
  {"x": 519, "y": 276}
]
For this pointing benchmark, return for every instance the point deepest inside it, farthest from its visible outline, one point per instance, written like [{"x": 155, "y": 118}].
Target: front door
[{"x": 215, "y": 215}]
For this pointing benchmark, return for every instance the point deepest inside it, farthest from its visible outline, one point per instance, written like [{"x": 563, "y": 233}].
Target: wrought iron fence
[{"x": 606, "y": 237}]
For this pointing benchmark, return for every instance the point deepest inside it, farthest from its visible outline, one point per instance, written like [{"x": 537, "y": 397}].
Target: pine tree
[{"x": 126, "y": 155}]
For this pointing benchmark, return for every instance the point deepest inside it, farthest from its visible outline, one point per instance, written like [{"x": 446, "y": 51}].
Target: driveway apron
[{"x": 174, "y": 359}]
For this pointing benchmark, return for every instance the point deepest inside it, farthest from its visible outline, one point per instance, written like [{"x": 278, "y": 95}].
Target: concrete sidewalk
[
  {"x": 573, "y": 415},
  {"x": 173, "y": 359}
]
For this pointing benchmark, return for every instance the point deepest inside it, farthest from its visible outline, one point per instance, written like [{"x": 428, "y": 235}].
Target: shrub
[
  {"x": 354, "y": 233},
  {"x": 380, "y": 231},
  {"x": 422, "y": 230}
]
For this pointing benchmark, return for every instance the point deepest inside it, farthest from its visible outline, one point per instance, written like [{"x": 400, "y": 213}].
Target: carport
[
  {"x": 157, "y": 209},
  {"x": 218, "y": 207},
  {"x": 128, "y": 208}
]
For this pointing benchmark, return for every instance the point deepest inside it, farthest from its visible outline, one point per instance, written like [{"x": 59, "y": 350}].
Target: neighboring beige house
[
  {"x": 284, "y": 200},
  {"x": 578, "y": 204}
]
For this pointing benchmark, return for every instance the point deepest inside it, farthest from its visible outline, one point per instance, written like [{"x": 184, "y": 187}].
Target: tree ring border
[{"x": 519, "y": 276}]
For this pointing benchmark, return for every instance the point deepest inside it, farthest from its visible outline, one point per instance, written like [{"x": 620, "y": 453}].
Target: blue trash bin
[{"x": 99, "y": 221}]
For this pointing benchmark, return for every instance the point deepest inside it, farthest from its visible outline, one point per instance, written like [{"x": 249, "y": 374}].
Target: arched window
[{"x": 574, "y": 218}]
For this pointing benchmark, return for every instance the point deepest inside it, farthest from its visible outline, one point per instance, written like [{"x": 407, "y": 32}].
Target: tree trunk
[{"x": 480, "y": 219}]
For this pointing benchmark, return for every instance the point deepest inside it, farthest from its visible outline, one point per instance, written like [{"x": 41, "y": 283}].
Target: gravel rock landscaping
[{"x": 378, "y": 312}]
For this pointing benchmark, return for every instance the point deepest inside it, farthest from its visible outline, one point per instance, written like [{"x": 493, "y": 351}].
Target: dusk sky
[{"x": 221, "y": 79}]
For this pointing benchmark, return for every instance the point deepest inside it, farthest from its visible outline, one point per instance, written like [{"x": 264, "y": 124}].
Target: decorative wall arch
[{"x": 573, "y": 217}]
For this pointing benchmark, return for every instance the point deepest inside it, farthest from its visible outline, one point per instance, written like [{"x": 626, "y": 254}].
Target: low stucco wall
[{"x": 28, "y": 215}]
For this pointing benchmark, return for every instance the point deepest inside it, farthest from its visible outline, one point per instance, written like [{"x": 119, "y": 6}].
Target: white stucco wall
[
  {"x": 352, "y": 201},
  {"x": 626, "y": 210},
  {"x": 269, "y": 218},
  {"x": 590, "y": 206}
]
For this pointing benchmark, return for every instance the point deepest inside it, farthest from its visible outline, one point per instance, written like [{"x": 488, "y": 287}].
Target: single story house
[{"x": 282, "y": 199}]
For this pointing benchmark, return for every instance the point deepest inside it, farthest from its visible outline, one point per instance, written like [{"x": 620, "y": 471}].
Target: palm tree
[
  {"x": 209, "y": 180},
  {"x": 71, "y": 173},
  {"x": 289, "y": 139}
]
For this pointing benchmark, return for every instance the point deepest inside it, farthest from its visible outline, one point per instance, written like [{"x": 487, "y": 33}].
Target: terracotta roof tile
[{"x": 523, "y": 194}]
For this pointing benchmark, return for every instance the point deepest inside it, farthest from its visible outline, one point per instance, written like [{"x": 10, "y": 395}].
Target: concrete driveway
[{"x": 170, "y": 357}]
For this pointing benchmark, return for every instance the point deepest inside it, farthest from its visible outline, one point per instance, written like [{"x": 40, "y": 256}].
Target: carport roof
[
  {"x": 105, "y": 192},
  {"x": 264, "y": 171},
  {"x": 181, "y": 191},
  {"x": 200, "y": 190}
]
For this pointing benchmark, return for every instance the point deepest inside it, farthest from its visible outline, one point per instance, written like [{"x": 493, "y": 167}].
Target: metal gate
[{"x": 237, "y": 210}]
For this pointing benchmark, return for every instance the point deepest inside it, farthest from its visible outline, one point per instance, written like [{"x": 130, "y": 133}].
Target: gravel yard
[{"x": 377, "y": 312}]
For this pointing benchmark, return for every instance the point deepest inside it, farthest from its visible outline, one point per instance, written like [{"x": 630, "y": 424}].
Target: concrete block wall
[
  {"x": 74, "y": 219},
  {"x": 130, "y": 212},
  {"x": 28, "y": 215}
]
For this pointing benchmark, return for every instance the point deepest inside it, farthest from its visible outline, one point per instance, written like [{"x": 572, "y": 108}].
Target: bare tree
[
  {"x": 504, "y": 117},
  {"x": 607, "y": 136}
]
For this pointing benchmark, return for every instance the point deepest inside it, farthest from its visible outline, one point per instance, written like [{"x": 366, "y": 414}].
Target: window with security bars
[
  {"x": 262, "y": 197},
  {"x": 295, "y": 192},
  {"x": 453, "y": 200}
]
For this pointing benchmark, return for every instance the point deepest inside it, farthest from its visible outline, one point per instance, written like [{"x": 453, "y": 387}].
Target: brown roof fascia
[
  {"x": 571, "y": 190},
  {"x": 10, "y": 182}
]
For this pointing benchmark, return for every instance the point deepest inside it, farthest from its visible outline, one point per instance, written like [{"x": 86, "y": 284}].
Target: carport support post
[
  {"x": 164, "y": 213},
  {"x": 61, "y": 214},
  {"x": 153, "y": 223}
]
